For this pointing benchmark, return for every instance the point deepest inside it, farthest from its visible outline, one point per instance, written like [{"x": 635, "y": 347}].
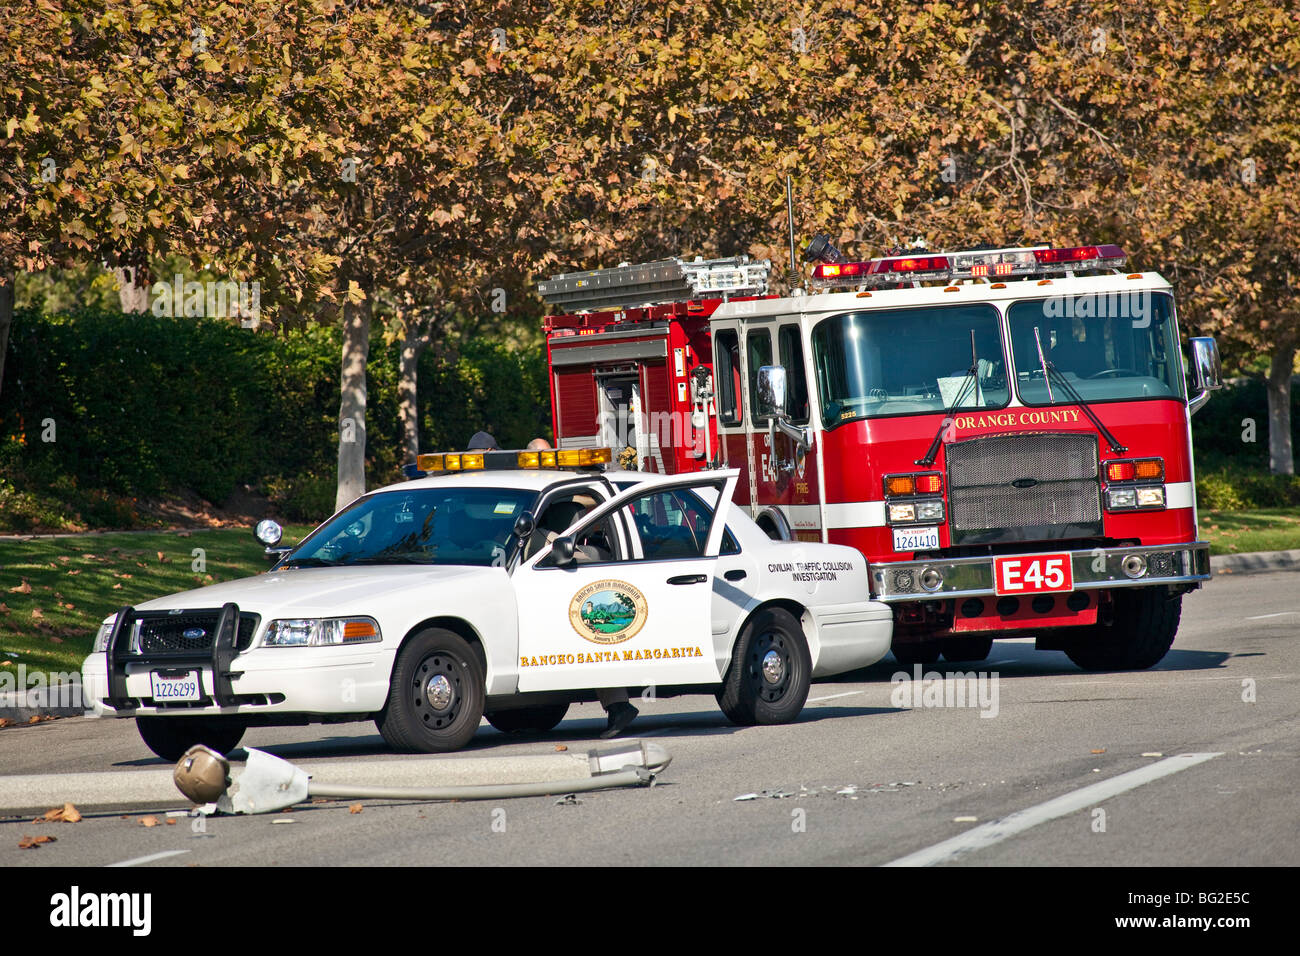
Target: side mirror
[
  {"x": 1207, "y": 370},
  {"x": 771, "y": 391},
  {"x": 561, "y": 552},
  {"x": 268, "y": 532},
  {"x": 525, "y": 524}
]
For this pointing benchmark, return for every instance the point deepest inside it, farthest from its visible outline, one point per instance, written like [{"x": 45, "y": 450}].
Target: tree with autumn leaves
[{"x": 438, "y": 154}]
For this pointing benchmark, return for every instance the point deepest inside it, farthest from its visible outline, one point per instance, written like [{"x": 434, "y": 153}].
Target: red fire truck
[{"x": 1003, "y": 433}]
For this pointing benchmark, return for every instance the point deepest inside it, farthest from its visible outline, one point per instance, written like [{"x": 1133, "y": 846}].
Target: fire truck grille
[
  {"x": 1023, "y": 488},
  {"x": 181, "y": 634}
]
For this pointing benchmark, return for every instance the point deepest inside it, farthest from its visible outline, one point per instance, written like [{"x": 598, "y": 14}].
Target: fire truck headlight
[
  {"x": 1151, "y": 497},
  {"x": 905, "y": 512},
  {"x": 1121, "y": 498},
  {"x": 929, "y": 511}
]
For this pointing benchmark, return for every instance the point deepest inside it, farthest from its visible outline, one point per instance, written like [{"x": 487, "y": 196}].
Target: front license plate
[
  {"x": 176, "y": 688},
  {"x": 916, "y": 539},
  {"x": 1033, "y": 574}
]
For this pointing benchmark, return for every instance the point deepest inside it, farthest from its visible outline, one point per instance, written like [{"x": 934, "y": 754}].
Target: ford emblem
[
  {"x": 193, "y": 633},
  {"x": 1024, "y": 482}
]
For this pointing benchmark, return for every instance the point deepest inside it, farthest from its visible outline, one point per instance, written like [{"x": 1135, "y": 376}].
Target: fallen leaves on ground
[
  {"x": 24, "y": 588},
  {"x": 560, "y": 748},
  {"x": 64, "y": 814},
  {"x": 148, "y": 821},
  {"x": 355, "y": 808},
  {"x": 34, "y": 842}
]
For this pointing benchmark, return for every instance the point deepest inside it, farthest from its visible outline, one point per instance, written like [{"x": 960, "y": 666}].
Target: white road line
[
  {"x": 1261, "y": 617},
  {"x": 847, "y": 693},
  {"x": 150, "y": 858},
  {"x": 985, "y": 835}
]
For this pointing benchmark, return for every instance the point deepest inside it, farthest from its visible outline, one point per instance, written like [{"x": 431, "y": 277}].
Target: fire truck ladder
[{"x": 656, "y": 283}]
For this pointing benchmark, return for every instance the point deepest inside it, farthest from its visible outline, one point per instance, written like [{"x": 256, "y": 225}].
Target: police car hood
[{"x": 320, "y": 592}]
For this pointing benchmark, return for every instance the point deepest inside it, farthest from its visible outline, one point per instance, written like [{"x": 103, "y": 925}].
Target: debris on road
[
  {"x": 568, "y": 800},
  {"x": 64, "y": 814},
  {"x": 33, "y": 843},
  {"x": 355, "y": 808},
  {"x": 150, "y": 821}
]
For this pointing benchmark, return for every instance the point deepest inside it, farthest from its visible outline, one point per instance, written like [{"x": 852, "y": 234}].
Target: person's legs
[{"x": 621, "y": 713}]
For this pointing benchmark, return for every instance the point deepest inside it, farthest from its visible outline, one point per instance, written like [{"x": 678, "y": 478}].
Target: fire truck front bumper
[{"x": 1182, "y": 565}]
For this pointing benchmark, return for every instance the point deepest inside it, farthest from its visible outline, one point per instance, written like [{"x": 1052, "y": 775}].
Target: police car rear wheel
[
  {"x": 771, "y": 669},
  {"x": 528, "y": 720},
  {"x": 170, "y": 737},
  {"x": 436, "y": 695}
]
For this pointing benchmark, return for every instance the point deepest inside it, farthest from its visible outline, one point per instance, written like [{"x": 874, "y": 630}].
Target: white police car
[{"x": 501, "y": 589}]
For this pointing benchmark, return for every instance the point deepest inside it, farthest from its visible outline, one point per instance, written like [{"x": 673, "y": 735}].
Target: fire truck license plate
[
  {"x": 168, "y": 688},
  {"x": 1041, "y": 572},
  {"x": 916, "y": 539}
]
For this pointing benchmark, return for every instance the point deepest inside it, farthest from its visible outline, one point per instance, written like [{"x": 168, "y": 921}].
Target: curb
[
  {"x": 21, "y": 707},
  {"x": 1256, "y": 562}
]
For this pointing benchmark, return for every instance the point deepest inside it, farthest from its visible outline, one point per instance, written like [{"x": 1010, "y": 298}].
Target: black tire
[
  {"x": 527, "y": 720},
  {"x": 412, "y": 720},
  {"x": 1145, "y": 622},
  {"x": 910, "y": 654},
  {"x": 170, "y": 737},
  {"x": 749, "y": 695},
  {"x": 966, "y": 648}
]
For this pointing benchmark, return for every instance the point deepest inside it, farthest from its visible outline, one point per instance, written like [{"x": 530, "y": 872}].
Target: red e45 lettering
[{"x": 1033, "y": 574}]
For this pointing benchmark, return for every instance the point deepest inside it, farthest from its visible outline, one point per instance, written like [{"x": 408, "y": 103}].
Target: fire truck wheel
[
  {"x": 1146, "y": 620},
  {"x": 966, "y": 648},
  {"x": 771, "y": 669},
  {"x": 170, "y": 737},
  {"x": 916, "y": 653},
  {"x": 435, "y": 696},
  {"x": 527, "y": 720}
]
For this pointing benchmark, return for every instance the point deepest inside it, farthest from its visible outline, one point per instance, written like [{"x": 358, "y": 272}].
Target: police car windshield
[
  {"x": 420, "y": 526},
  {"x": 1110, "y": 347},
  {"x": 905, "y": 361}
]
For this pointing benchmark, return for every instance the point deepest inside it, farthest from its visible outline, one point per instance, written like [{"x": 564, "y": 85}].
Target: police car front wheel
[
  {"x": 770, "y": 672},
  {"x": 436, "y": 695}
]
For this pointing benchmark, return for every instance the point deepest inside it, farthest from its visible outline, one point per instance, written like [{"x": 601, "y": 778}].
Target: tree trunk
[
  {"x": 413, "y": 344},
  {"x": 352, "y": 406},
  {"x": 1281, "y": 459},
  {"x": 7, "y": 277},
  {"x": 134, "y": 298}
]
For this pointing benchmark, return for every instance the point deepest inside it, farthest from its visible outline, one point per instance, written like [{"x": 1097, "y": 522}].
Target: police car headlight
[
  {"x": 321, "y": 632},
  {"x": 101, "y": 636}
]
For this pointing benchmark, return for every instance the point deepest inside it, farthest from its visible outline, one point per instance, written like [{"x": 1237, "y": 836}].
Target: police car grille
[
  {"x": 1021, "y": 487},
  {"x": 167, "y": 635}
]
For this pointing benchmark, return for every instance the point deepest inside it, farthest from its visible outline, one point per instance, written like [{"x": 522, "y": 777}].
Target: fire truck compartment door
[{"x": 642, "y": 617}]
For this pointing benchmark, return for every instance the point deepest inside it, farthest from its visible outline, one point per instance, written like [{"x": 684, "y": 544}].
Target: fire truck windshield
[
  {"x": 1115, "y": 347},
  {"x": 907, "y": 361}
]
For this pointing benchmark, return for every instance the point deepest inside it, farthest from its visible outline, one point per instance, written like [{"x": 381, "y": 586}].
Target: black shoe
[{"x": 621, "y": 715}]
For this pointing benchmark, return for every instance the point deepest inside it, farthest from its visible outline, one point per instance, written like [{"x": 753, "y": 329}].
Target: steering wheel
[{"x": 1115, "y": 371}]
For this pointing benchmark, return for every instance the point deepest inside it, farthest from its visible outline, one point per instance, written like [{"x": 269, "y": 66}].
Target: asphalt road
[{"x": 863, "y": 781}]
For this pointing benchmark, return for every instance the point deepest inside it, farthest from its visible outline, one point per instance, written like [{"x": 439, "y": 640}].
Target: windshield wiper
[
  {"x": 972, "y": 377},
  {"x": 1050, "y": 369},
  {"x": 308, "y": 563}
]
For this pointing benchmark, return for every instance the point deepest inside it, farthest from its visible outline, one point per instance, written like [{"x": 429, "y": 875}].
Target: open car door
[{"x": 632, "y": 605}]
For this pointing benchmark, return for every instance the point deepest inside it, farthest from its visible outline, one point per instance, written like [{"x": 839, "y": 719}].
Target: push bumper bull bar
[
  {"x": 903, "y": 581},
  {"x": 219, "y": 657}
]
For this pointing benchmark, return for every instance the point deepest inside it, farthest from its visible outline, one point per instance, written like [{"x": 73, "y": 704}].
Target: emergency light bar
[
  {"x": 973, "y": 264},
  {"x": 656, "y": 283},
  {"x": 444, "y": 462}
]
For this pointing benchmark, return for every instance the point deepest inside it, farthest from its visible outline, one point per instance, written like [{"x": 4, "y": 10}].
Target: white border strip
[
  {"x": 985, "y": 835},
  {"x": 856, "y": 514},
  {"x": 1178, "y": 494}
]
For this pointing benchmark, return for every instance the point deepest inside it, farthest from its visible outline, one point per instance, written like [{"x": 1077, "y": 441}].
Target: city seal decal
[{"x": 608, "y": 612}]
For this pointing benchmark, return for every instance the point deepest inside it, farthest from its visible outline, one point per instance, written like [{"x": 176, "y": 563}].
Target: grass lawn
[
  {"x": 1258, "y": 529},
  {"x": 54, "y": 592}
]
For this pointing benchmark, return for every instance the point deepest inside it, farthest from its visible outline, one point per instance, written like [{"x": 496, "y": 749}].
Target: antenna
[{"x": 793, "y": 276}]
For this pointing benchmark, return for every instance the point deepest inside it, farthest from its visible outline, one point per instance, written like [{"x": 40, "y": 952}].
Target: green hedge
[{"x": 144, "y": 406}]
